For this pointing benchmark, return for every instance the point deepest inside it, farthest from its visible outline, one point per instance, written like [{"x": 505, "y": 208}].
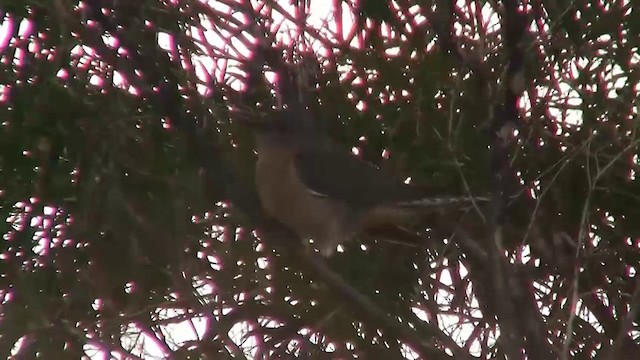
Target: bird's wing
[{"x": 345, "y": 177}]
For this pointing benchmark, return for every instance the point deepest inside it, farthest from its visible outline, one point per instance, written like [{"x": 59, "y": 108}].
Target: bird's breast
[{"x": 286, "y": 198}]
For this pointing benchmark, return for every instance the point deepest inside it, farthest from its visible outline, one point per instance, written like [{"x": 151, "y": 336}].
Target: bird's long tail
[{"x": 434, "y": 201}]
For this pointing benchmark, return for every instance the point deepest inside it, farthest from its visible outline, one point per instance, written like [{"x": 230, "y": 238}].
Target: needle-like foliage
[{"x": 128, "y": 206}]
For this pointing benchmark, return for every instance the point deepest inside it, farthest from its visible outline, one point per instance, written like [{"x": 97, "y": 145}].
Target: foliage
[{"x": 126, "y": 180}]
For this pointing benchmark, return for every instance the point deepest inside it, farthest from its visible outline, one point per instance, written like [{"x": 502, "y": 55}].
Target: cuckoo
[{"x": 326, "y": 195}]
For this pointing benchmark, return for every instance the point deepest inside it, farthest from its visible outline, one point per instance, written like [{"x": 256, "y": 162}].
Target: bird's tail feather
[{"x": 440, "y": 201}]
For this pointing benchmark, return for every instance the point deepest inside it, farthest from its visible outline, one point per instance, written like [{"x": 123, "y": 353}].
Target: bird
[{"x": 324, "y": 194}]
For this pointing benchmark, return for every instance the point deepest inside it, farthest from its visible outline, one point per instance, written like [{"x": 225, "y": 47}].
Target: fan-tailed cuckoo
[{"x": 324, "y": 194}]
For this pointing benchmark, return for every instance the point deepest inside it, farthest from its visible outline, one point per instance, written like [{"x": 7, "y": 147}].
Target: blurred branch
[
  {"x": 524, "y": 327},
  {"x": 621, "y": 338},
  {"x": 583, "y": 235}
]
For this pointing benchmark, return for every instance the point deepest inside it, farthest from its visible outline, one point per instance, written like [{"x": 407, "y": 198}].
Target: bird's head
[{"x": 284, "y": 130}]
